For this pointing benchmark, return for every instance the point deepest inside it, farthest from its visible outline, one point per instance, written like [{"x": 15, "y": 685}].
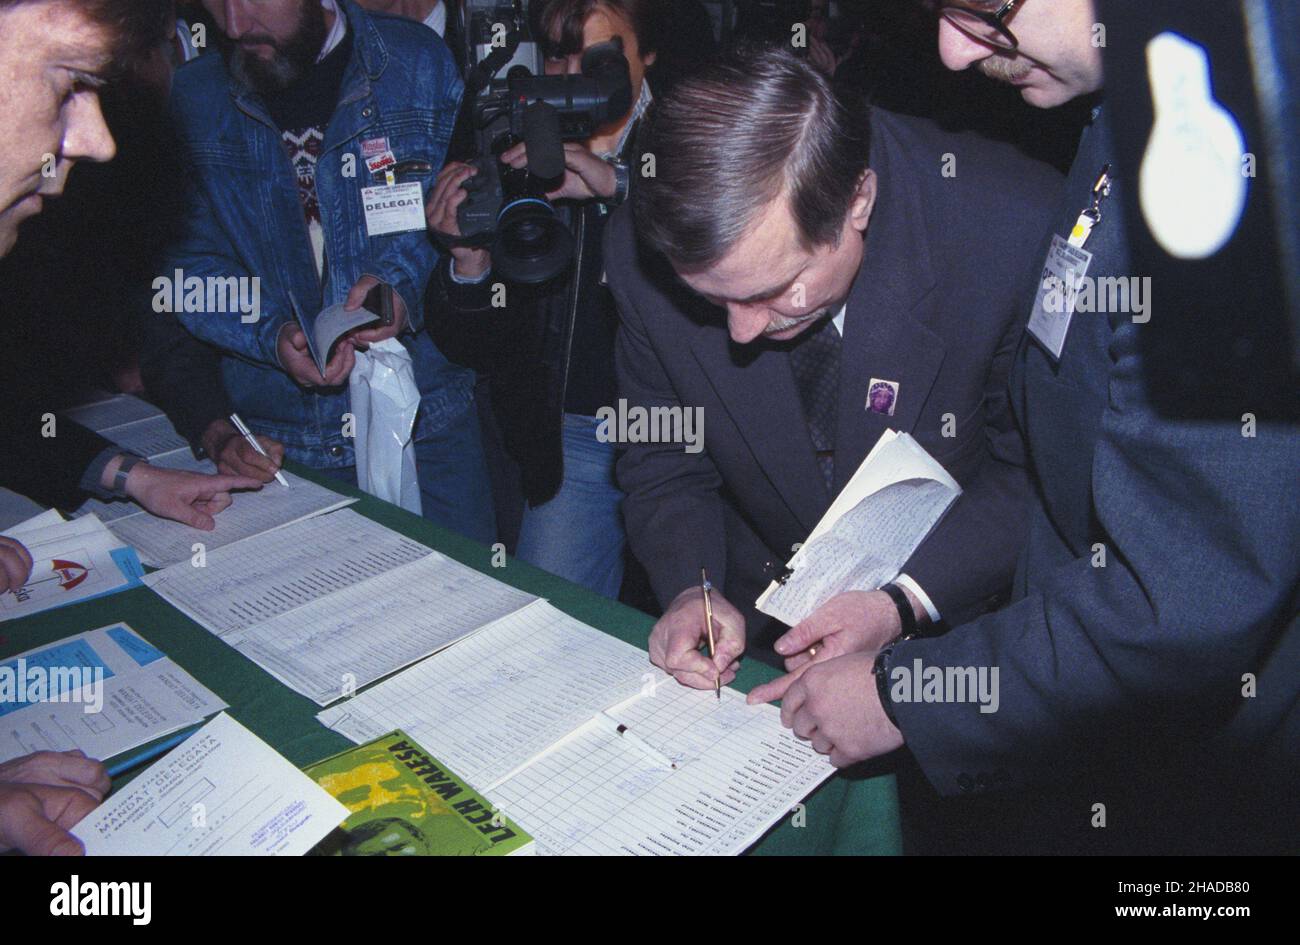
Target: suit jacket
[
  {"x": 1160, "y": 578},
  {"x": 932, "y": 308},
  {"x": 47, "y": 470}
]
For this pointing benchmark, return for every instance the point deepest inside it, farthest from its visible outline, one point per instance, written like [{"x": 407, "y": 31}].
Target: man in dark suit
[
  {"x": 848, "y": 252},
  {"x": 1147, "y": 666}
]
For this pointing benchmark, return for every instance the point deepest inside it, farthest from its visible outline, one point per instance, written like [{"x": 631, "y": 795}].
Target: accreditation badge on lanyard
[
  {"x": 393, "y": 207},
  {"x": 1063, "y": 273}
]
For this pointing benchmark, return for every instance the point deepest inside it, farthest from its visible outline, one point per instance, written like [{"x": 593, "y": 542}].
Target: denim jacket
[{"x": 243, "y": 218}]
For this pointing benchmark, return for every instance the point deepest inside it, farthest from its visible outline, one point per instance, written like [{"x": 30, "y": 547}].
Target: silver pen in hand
[{"x": 252, "y": 441}]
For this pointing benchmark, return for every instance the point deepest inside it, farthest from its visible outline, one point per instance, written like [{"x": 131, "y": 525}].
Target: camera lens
[{"x": 532, "y": 244}]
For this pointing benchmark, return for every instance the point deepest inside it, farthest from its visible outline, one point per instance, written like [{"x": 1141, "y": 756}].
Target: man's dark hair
[
  {"x": 135, "y": 27},
  {"x": 757, "y": 124},
  {"x": 564, "y": 19}
]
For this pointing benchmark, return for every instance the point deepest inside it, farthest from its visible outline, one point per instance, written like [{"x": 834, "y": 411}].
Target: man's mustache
[
  {"x": 257, "y": 39},
  {"x": 781, "y": 323},
  {"x": 1005, "y": 68}
]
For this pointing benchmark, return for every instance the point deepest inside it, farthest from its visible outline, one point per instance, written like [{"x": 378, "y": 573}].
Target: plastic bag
[{"x": 385, "y": 401}]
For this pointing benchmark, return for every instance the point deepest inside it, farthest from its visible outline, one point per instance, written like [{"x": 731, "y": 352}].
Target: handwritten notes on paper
[{"x": 886, "y": 510}]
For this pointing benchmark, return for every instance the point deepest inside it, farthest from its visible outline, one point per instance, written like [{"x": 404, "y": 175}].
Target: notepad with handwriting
[
  {"x": 522, "y": 709},
  {"x": 892, "y": 503}
]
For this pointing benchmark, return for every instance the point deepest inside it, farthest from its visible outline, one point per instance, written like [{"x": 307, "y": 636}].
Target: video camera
[{"x": 507, "y": 209}]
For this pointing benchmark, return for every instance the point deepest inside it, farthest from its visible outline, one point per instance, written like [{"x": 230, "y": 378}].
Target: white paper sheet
[
  {"x": 222, "y": 792},
  {"x": 537, "y": 675},
  {"x": 131, "y": 423},
  {"x": 105, "y": 691},
  {"x": 886, "y": 510},
  {"x": 71, "y": 561},
  {"x": 15, "y": 509},
  {"x": 332, "y": 646},
  {"x": 150, "y": 437},
  {"x": 738, "y": 772},
  {"x": 161, "y": 542},
  {"x": 39, "y": 520},
  {"x": 141, "y": 427},
  {"x": 236, "y": 589},
  {"x": 112, "y": 411},
  {"x": 523, "y": 708}
]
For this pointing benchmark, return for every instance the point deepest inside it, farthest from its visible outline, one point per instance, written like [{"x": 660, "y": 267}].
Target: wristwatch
[
  {"x": 622, "y": 181},
  {"x": 129, "y": 461},
  {"x": 905, "y": 613},
  {"x": 879, "y": 670},
  {"x": 907, "y": 617}
]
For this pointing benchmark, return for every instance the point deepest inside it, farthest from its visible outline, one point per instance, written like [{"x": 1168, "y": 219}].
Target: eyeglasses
[{"x": 986, "y": 27}]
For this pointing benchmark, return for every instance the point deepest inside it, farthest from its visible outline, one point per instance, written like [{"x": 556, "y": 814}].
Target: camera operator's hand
[
  {"x": 440, "y": 214},
  {"x": 585, "y": 175}
]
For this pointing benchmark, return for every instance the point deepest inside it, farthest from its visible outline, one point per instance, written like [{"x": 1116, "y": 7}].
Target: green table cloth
[{"x": 848, "y": 814}]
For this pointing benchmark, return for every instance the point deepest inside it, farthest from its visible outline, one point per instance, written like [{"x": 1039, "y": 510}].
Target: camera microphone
[{"x": 545, "y": 144}]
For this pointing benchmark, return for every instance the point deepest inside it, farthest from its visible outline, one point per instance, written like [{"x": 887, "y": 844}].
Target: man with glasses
[
  {"x": 1147, "y": 695},
  {"x": 1060, "y": 62}
]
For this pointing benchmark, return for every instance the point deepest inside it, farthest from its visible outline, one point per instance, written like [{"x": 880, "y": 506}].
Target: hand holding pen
[{"x": 677, "y": 638}]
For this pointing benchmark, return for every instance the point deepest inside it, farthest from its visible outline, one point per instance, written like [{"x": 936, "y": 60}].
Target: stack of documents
[
  {"x": 15, "y": 509},
  {"x": 586, "y": 746},
  {"x": 222, "y": 792},
  {"x": 71, "y": 562},
  {"x": 105, "y": 691},
  {"x": 892, "y": 503},
  {"x": 332, "y": 603},
  {"x": 142, "y": 428}
]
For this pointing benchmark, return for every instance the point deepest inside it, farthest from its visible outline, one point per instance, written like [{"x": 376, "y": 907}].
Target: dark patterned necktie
[{"x": 815, "y": 360}]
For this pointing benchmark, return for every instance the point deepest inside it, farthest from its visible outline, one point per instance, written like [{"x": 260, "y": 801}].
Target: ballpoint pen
[
  {"x": 635, "y": 740},
  {"x": 252, "y": 441},
  {"x": 708, "y": 623},
  {"x": 127, "y": 764}
]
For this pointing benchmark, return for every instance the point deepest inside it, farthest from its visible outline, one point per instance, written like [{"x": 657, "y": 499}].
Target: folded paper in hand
[
  {"x": 331, "y": 325},
  {"x": 892, "y": 503}
]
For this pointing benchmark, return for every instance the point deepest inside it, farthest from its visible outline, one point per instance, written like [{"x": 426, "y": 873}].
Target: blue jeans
[
  {"x": 454, "y": 488},
  {"x": 579, "y": 533}
]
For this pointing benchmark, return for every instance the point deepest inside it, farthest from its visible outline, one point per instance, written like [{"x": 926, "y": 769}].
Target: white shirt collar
[
  {"x": 337, "y": 31},
  {"x": 437, "y": 19},
  {"x": 838, "y": 320},
  {"x": 642, "y": 103}
]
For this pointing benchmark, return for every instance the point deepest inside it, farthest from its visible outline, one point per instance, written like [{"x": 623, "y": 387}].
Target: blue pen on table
[
  {"x": 164, "y": 746},
  {"x": 252, "y": 441}
]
